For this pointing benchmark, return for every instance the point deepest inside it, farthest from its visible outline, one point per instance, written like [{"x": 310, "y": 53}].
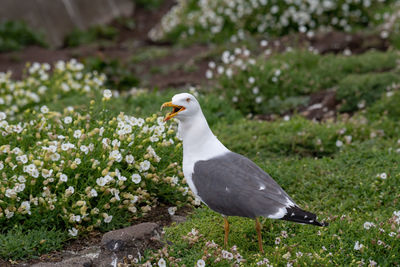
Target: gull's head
[{"x": 184, "y": 106}]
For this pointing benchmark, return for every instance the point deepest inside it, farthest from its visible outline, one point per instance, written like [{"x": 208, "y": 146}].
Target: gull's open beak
[{"x": 175, "y": 111}]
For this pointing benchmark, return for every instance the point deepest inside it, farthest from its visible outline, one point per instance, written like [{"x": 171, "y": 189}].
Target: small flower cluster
[
  {"x": 42, "y": 83},
  {"x": 233, "y": 19},
  {"x": 160, "y": 258},
  {"x": 192, "y": 237},
  {"x": 86, "y": 169},
  {"x": 253, "y": 84},
  {"x": 241, "y": 61}
]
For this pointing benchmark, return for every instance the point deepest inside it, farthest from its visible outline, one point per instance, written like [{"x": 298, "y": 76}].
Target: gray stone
[
  {"x": 72, "y": 262},
  {"x": 133, "y": 240},
  {"x": 82, "y": 258},
  {"x": 115, "y": 245},
  {"x": 57, "y": 18},
  {"x": 178, "y": 219}
]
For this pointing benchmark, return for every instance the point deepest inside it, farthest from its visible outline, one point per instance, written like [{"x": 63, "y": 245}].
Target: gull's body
[{"x": 225, "y": 181}]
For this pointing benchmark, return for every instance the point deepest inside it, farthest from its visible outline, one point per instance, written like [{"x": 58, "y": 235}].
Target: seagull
[{"x": 225, "y": 181}]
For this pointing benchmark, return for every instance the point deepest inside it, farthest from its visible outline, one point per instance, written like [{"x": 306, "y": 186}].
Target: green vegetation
[
  {"x": 75, "y": 170},
  {"x": 148, "y": 4},
  {"x": 25, "y": 243},
  {"x": 93, "y": 34},
  {"x": 119, "y": 75},
  {"x": 282, "y": 82},
  {"x": 150, "y": 53},
  {"x": 203, "y": 21},
  {"x": 351, "y": 187},
  {"x": 15, "y": 35}
]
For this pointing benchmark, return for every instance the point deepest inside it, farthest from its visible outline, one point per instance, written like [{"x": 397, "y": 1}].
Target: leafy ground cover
[
  {"x": 78, "y": 170},
  {"x": 282, "y": 82},
  {"x": 95, "y": 33},
  {"x": 15, "y": 35},
  {"x": 202, "y": 21}
]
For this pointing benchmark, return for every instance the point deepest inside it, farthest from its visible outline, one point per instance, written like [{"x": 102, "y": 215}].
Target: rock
[
  {"x": 82, "y": 258},
  {"x": 133, "y": 240},
  {"x": 114, "y": 247},
  {"x": 178, "y": 219},
  {"x": 72, "y": 262}
]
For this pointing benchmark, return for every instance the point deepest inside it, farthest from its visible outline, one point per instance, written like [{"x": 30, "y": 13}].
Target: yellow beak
[{"x": 175, "y": 111}]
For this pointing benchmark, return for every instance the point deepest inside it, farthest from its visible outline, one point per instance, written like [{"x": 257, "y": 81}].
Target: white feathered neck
[{"x": 199, "y": 143}]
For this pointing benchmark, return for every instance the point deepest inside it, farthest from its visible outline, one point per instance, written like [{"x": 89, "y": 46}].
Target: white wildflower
[
  {"x": 136, "y": 178},
  {"x": 161, "y": 263},
  {"x": 358, "y": 245},
  {"x": 145, "y": 165},
  {"x": 73, "y": 231},
  {"x": 108, "y": 218},
  {"x": 67, "y": 120},
  {"x": 107, "y": 94},
  {"x": 93, "y": 193},
  {"x": 209, "y": 74},
  {"x": 201, "y": 263},
  {"x": 129, "y": 159},
  {"x": 368, "y": 225},
  {"x": 77, "y": 134},
  {"x": 172, "y": 210},
  {"x": 339, "y": 143},
  {"x": 44, "y": 109},
  {"x": 382, "y": 175}
]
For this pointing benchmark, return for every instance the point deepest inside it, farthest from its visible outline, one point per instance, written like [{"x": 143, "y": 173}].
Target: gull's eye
[{"x": 188, "y": 99}]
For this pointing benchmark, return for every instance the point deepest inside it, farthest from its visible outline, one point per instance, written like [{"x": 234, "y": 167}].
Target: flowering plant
[
  {"x": 233, "y": 19},
  {"x": 43, "y": 84},
  {"x": 82, "y": 169}
]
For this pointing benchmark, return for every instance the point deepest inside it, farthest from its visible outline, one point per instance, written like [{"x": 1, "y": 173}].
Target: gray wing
[{"x": 233, "y": 185}]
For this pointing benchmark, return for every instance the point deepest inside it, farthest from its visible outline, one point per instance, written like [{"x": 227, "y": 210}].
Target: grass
[
  {"x": 26, "y": 243},
  {"x": 342, "y": 188}
]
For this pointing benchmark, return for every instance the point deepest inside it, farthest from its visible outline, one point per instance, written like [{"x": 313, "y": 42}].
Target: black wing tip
[{"x": 296, "y": 214}]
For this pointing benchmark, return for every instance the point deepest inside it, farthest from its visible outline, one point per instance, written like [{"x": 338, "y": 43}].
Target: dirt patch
[{"x": 322, "y": 106}]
